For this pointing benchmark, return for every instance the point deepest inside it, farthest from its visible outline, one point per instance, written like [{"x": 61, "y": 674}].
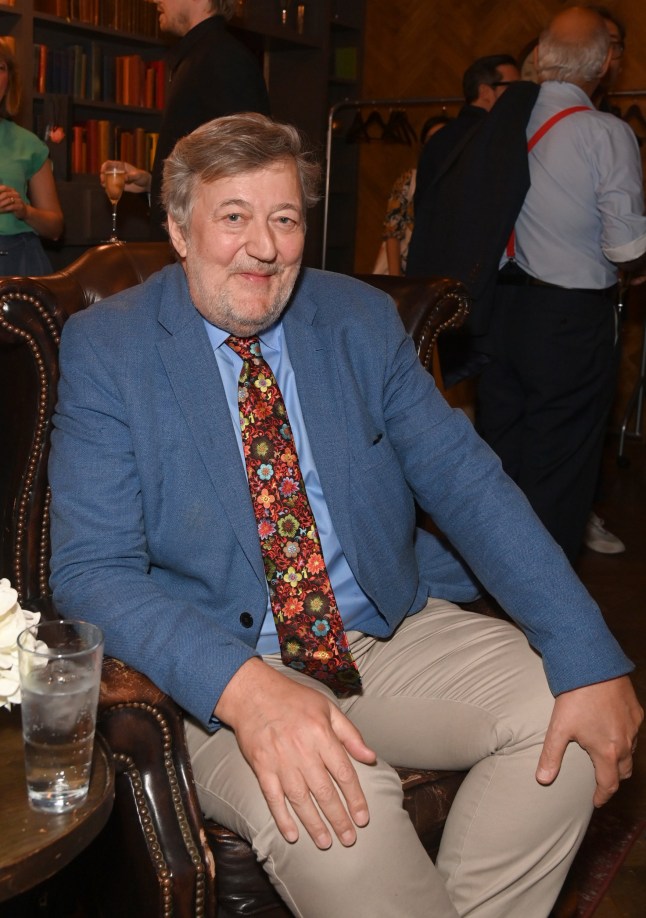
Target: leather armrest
[{"x": 156, "y": 808}]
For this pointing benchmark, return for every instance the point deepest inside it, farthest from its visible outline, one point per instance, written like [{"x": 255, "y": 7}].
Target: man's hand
[
  {"x": 299, "y": 745},
  {"x": 137, "y": 180},
  {"x": 603, "y": 719}
]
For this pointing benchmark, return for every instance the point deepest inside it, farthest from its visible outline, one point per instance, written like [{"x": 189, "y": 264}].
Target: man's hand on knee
[
  {"x": 603, "y": 719},
  {"x": 300, "y": 746}
]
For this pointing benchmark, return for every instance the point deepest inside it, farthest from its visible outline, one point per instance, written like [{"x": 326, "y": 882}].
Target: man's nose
[{"x": 261, "y": 243}]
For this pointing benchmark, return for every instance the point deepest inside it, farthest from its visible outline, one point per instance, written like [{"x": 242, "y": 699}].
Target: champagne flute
[{"x": 114, "y": 180}]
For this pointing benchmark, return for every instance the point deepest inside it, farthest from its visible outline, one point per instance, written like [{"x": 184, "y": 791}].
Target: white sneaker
[{"x": 599, "y": 539}]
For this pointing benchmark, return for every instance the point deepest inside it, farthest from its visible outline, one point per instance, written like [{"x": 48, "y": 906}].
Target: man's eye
[{"x": 233, "y": 218}]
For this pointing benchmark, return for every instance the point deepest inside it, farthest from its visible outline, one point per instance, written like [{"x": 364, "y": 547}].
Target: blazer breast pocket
[{"x": 375, "y": 453}]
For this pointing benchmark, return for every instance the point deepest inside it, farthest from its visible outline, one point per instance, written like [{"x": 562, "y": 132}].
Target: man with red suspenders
[{"x": 545, "y": 395}]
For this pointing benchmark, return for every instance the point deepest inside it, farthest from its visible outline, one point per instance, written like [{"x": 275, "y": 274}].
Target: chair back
[
  {"x": 33, "y": 311},
  {"x": 32, "y": 314}
]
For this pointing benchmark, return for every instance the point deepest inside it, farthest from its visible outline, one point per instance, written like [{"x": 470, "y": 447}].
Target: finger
[
  {"x": 315, "y": 797},
  {"x": 355, "y": 805},
  {"x": 624, "y": 767},
  {"x": 609, "y": 770},
  {"x": 304, "y": 802},
  {"x": 294, "y": 791},
  {"x": 331, "y": 804},
  {"x": 549, "y": 763},
  {"x": 607, "y": 779},
  {"x": 344, "y": 772},
  {"x": 275, "y": 797}
]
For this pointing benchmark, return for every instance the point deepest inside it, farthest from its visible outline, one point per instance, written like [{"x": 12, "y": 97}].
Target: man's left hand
[{"x": 603, "y": 719}]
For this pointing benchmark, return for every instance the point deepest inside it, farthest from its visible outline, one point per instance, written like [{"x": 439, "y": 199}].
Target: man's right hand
[{"x": 299, "y": 746}]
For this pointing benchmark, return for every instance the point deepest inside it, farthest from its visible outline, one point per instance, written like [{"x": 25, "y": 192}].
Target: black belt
[{"x": 519, "y": 278}]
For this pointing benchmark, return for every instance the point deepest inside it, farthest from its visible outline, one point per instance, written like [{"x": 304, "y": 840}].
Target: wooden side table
[{"x": 35, "y": 846}]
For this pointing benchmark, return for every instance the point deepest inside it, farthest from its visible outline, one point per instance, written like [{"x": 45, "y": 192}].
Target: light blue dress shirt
[
  {"x": 585, "y": 207},
  {"x": 356, "y": 609}
]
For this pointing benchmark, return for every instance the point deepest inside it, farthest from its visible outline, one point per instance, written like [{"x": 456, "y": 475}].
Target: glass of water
[{"x": 60, "y": 676}]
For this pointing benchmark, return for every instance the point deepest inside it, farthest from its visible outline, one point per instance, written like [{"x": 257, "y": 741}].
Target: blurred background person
[
  {"x": 483, "y": 82},
  {"x": 29, "y": 205},
  {"x": 546, "y": 392},
  {"x": 211, "y": 74},
  {"x": 472, "y": 178},
  {"x": 398, "y": 223}
]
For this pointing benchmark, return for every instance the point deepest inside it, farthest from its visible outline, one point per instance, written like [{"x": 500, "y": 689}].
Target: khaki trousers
[{"x": 449, "y": 690}]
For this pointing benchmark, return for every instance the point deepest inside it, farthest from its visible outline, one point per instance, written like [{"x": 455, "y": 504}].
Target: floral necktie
[{"x": 310, "y": 630}]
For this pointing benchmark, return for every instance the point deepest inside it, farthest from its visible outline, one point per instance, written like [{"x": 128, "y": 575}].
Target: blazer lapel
[
  {"x": 193, "y": 373},
  {"x": 320, "y": 393}
]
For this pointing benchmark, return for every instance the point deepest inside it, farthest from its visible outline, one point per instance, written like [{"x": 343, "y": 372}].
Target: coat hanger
[
  {"x": 357, "y": 132},
  {"x": 394, "y": 131},
  {"x": 402, "y": 129},
  {"x": 375, "y": 125}
]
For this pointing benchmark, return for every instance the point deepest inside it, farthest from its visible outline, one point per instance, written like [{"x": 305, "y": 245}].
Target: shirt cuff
[{"x": 627, "y": 252}]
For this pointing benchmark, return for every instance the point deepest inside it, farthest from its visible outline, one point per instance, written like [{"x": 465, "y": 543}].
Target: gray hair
[
  {"x": 230, "y": 146},
  {"x": 572, "y": 61}
]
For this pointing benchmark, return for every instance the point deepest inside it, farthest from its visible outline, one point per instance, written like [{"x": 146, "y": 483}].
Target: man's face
[
  {"x": 174, "y": 16},
  {"x": 489, "y": 94},
  {"x": 243, "y": 249},
  {"x": 508, "y": 74}
]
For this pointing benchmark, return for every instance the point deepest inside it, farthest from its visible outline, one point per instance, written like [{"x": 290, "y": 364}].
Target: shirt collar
[
  {"x": 270, "y": 339},
  {"x": 567, "y": 92}
]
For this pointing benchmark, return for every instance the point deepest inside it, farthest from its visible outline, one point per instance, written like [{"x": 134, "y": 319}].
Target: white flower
[{"x": 13, "y": 620}]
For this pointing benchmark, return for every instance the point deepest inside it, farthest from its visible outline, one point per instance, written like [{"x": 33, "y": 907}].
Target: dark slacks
[{"x": 544, "y": 398}]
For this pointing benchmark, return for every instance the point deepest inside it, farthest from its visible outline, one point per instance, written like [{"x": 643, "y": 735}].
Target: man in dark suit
[
  {"x": 471, "y": 181},
  {"x": 483, "y": 83},
  {"x": 211, "y": 74},
  {"x": 239, "y": 447}
]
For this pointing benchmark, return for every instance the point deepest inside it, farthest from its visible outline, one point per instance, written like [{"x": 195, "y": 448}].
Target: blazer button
[{"x": 246, "y": 620}]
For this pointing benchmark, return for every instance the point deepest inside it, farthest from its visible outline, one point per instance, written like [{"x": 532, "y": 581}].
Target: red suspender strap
[{"x": 531, "y": 143}]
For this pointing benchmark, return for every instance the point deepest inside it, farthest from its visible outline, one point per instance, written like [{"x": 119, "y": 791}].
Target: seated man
[{"x": 238, "y": 450}]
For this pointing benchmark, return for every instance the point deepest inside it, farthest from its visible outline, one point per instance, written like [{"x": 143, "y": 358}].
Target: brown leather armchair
[{"x": 164, "y": 858}]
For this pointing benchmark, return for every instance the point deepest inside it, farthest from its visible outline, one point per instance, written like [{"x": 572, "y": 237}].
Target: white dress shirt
[{"x": 585, "y": 207}]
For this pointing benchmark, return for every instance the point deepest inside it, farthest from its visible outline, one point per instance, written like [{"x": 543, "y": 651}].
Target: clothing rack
[{"x": 359, "y": 104}]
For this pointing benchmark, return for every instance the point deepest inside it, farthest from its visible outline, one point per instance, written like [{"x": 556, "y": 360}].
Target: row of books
[
  {"x": 136, "y": 17},
  {"x": 126, "y": 79},
  {"x": 96, "y": 140}
]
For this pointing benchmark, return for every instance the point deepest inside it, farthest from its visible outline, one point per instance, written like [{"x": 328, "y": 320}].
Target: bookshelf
[{"x": 94, "y": 77}]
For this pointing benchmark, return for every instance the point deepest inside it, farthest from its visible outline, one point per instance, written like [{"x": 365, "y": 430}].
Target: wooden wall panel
[{"x": 416, "y": 48}]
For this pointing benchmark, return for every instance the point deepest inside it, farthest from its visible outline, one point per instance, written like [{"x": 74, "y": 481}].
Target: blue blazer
[{"x": 153, "y": 532}]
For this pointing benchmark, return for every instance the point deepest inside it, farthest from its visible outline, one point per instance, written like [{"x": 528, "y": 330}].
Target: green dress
[{"x": 22, "y": 154}]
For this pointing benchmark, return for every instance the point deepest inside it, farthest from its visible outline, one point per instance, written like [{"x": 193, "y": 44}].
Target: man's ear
[
  {"x": 486, "y": 97},
  {"x": 176, "y": 237}
]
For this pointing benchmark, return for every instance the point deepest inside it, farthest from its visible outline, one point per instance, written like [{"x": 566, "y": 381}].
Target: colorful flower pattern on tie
[{"x": 310, "y": 629}]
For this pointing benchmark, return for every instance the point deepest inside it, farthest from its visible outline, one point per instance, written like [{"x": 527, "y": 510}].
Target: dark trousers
[{"x": 543, "y": 399}]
